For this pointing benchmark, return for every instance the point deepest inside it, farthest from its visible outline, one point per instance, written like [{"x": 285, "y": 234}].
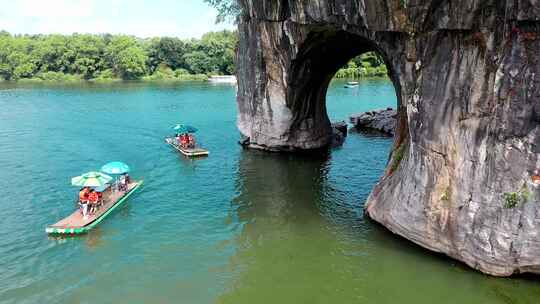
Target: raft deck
[
  {"x": 77, "y": 224},
  {"x": 190, "y": 152}
]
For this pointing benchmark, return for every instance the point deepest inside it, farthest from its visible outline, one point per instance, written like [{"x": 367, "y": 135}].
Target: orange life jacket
[
  {"x": 83, "y": 194},
  {"x": 93, "y": 197}
]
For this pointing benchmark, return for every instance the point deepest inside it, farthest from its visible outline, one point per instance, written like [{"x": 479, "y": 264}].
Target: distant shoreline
[{"x": 72, "y": 79}]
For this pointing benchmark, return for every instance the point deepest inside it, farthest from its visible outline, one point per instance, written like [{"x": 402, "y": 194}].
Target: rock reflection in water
[
  {"x": 286, "y": 241},
  {"x": 304, "y": 239}
]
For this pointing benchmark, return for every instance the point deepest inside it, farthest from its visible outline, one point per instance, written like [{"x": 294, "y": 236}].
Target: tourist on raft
[
  {"x": 83, "y": 200},
  {"x": 127, "y": 179},
  {"x": 183, "y": 140},
  {"x": 190, "y": 141},
  {"x": 186, "y": 140},
  {"x": 124, "y": 182},
  {"x": 93, "y": 199}
]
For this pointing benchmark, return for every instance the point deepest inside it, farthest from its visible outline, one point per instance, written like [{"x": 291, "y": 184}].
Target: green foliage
[
  {"x": 445, "y": 197},
  {"x": 513, "y": 199},
  {"x": 88, "y": 51},
  {"x": 371, "y": 59},
  {"x": 228, "y": 10},
  {"x": 131, "y": 63},
  {"x": 112, "y": 57},
  {"x": 126, "y": 57},
  {"x": 56, "y": 77},
  {"x": 220, "y": 46},
  {"x": 169, "y": 51},
  {"x": 181, "y": 72},
  {"x": 16, "y": 60},
  {"x": 366, "y": 65},
  {"x": 199, "y": 62},
  {"x": 403, "y": 3},
  {"x": 165, "y": 73},
  {"x": 105, "y": 75}
]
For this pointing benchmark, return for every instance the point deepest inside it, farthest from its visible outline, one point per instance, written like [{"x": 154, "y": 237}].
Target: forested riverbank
[
  {"x": 368, "y": 64},
  {"x": 105, "y": 57}
]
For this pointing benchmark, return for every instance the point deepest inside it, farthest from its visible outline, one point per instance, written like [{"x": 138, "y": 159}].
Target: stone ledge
[{"x": 383, "y": 120}]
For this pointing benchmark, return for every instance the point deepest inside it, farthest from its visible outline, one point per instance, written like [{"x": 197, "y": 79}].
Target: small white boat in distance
[
  {"x": 351, "y": 84},
  {"x": 223, "y": 79}
]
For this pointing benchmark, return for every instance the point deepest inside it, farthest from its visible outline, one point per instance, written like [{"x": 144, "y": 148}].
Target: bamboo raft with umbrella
[
  {"x": 112, "y": 198},
  {"x": 185, "y": 148}
]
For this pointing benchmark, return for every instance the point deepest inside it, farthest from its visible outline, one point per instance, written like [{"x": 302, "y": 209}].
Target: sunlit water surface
[{"x": 237, "y": 227}]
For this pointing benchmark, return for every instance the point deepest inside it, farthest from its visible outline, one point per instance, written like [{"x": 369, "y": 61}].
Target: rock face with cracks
[{"x": 467, "y": 142}]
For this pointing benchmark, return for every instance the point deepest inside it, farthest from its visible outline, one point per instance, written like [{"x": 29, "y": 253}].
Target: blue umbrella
[
  {"x": 183, "y": 129},
  {"x": 115, "y": 167}
]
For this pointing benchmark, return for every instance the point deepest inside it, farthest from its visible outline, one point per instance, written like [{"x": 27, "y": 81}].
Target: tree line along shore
[{"x": 106, "y": 57}]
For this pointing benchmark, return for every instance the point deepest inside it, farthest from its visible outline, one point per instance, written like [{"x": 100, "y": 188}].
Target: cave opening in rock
[{"x": 319, "y": 59}]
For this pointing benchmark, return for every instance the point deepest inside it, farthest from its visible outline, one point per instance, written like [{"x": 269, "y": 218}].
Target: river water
[{"x": 237, "y": 227}]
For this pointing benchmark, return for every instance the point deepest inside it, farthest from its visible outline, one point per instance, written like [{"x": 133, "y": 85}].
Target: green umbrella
[
  {"x": 91, "y": 179},
  {"x": 183, "y": 129}
]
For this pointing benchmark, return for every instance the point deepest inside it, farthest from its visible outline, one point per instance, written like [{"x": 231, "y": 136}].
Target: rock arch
[
  {"x": 467, "y": 76},
  {"x": 319, "y": 57}
]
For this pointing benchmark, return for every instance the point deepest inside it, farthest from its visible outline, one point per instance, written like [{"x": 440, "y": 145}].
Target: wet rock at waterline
[
  {"x": 383, "y": 120},
  {"x": 467, "y": 78},
  {"x": 341, "y": 126},
  {"x": 339, "y": 133}
]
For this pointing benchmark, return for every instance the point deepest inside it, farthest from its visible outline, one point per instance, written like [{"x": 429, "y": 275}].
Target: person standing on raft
[
  {"x": 93, "y": 199},
  {"x": 83, "y": 200}
]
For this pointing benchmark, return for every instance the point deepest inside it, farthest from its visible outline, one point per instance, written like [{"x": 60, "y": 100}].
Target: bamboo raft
[
  {"x": 190, "y": 152},
  {"x": 76, "y": 224}
]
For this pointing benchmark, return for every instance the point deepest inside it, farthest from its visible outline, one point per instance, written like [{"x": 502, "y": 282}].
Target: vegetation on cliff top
[
  {"x": 368, "y": 64},
  {"x": 108, "y": 57},
  {"x": 228, "y": 10}
]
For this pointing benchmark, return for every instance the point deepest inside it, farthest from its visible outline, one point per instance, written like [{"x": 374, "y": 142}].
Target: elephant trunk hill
[{"x": 462, "y": 176}]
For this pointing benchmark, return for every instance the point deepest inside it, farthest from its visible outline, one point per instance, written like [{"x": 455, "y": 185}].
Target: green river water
[{"x": 238, "y": 227}]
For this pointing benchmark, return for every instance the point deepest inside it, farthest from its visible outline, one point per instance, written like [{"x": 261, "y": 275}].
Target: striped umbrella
[
  {"x": 115, "y": 167},
  {"x": 91, "y": 179}
]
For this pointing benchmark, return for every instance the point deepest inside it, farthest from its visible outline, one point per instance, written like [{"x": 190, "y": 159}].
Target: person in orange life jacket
[{"x": 93, "y": 199}]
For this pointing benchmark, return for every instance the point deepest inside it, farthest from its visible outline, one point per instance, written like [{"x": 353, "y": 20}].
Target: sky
[{"x": 142, "y": 18}]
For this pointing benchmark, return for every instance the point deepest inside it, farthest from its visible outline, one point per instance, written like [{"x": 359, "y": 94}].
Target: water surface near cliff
[{"x": 237, "y": 227}]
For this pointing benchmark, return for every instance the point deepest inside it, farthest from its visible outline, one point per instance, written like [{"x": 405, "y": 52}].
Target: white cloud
[{"x": 142, "y": 18}]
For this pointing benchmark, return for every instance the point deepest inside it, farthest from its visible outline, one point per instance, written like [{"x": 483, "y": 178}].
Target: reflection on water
[
  {"x": 264, "y": 183},
  {"x": 93, "y": 241},
  {"x": 303, "y": 241}
]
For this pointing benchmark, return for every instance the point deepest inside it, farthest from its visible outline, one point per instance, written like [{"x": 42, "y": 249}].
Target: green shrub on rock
[{"x": 513, "y": 199}]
